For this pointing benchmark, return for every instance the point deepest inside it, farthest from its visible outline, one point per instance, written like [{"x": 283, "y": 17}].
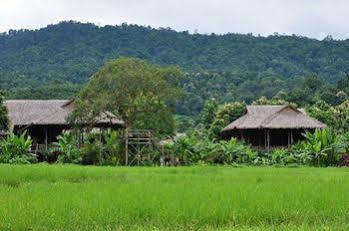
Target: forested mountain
[{"x": 55, "y": 61}]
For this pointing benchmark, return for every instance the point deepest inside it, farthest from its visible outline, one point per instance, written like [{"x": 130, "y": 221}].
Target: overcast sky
[{"x": 312, "y": 18}]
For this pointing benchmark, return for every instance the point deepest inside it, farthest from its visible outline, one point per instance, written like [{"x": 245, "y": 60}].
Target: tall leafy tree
[
  {"x": 336, "y": 117},
  {"x": 207, "y": 114},
  {"x": 134, "y": 90},
  {"x": 224, "y": 115}
]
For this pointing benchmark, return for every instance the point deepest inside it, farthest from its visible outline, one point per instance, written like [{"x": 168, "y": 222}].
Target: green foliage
[
  {"x": 323, "y": 147},
  {"x": 92, "y": 153},
  {"x": 341, "y": 113},
  {"x": 313, "y": 83},
  {"x": 336, "y": 117},
  {"x": 184, "y": 123},
  {"x": 224, "y": 115},
  {"x": 15, "y": 150},
  {"x": 207, "y": 113},
  {"x": 228, "y": 152},
  {"x": 293, "y": 156},
  {"x": 274, "y": 101},
  {"x": 343, "y": 85},
  {"x": 323, "y": 112},
  {"x": 158, "y": 118},
  {"x": 97, "y": 149},
  {"x": 197, "y": 148},
  {"x": 105, "y": 150},
  {"x": 68, "y": 147},
  {"x": 41, "y": 64},
  {"x": 184, "y": 149},
  {"x": 230, "y": 86},
  {"x": 113, "y": 144},
  {"x": 133, "y": 90},
  {"x": 51, "y": 90},
  {"x": 4, "y": 120},
  {"x": 344, "y": 142}
]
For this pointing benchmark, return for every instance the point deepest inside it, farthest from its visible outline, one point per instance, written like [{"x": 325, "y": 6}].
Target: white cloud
[{"x": 313, "y": 18}]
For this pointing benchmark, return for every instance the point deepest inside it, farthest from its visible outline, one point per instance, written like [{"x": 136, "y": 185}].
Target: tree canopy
[{"x": 135, "y": 91}]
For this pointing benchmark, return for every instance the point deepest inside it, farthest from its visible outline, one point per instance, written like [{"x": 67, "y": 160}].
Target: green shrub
[
  {"x": 91, "y": 153},
  {"x": 184, "y": 149},
  {"x": 24, "y": 159},
  {"x": 262, "y": 158},
  {"x": 68, "y": 147},
  {"x": 105, "y": 150},
  {"x": 183, "y": 123},
  {"x": 322, "y": 146},
  {"x": 197, "y": 148},
  {"x": 281, "y": 156},
  {"x": 16, "y": 149},
  {"x": 344, "y": 142},
  {"x": 289, "y": 156},
  {"x": 113, "y": 148},
  {"x": 226, "y": 152}
]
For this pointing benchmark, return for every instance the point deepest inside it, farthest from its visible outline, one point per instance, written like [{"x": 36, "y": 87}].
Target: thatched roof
[
  {"x": 274, "y": 117},
  {"x": 44, "y": 112}
]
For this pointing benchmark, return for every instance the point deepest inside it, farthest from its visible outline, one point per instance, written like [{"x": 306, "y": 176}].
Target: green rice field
[{"x": 59, "y": 197}]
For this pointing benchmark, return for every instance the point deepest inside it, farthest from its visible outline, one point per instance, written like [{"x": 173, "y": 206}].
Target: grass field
[{"x": 43, "y": 197}]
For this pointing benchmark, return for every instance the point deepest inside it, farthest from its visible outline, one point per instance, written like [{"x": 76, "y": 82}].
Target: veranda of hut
[
  {"x": 268, "y": 126},
  {"x": 266, "y": 139}
]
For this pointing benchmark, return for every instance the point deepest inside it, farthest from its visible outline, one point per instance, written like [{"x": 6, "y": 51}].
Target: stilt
[
  {"x": 46, "y": 140},
  {"x": 268, "y": 140},
  {"x": 242, "y": 136},
  {"x": 288, "y": 138},
  {"x": 126, "y": 146}
]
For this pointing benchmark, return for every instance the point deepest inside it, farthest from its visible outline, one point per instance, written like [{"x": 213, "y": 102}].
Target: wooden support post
[
  {"x": 268, "y": 140},
  {"x": 126, "y": 146},
  {"x": 46, "y": 140},
  {"x": 288, "y": 138},
  {"x": 291, "y": 137}
]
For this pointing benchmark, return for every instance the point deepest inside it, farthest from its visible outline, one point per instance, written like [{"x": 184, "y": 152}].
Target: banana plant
[
  {"x": 323, "y": 145},
  {"x": 14, "y": 146}
]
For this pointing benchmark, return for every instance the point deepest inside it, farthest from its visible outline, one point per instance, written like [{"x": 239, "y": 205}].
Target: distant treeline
[{"x": 54, "y": 62}]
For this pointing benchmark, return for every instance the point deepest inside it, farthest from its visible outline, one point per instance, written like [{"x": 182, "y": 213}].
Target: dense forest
[{"x": 54, "y": 62}]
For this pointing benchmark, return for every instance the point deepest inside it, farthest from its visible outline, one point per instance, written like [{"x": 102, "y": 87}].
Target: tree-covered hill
[{"x": 64, "y": 56}]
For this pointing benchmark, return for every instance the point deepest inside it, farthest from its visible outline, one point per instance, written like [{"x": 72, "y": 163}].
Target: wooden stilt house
[
  {"x": 268, "y": 126},
  {"x": 44, "y": 120}
]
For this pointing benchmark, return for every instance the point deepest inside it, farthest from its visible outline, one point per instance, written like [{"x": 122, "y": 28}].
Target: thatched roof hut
[
  {"x": 44, "y": 120},
  {"x": 48, "y": 112},
  {"x": 271, "y": 125}
]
